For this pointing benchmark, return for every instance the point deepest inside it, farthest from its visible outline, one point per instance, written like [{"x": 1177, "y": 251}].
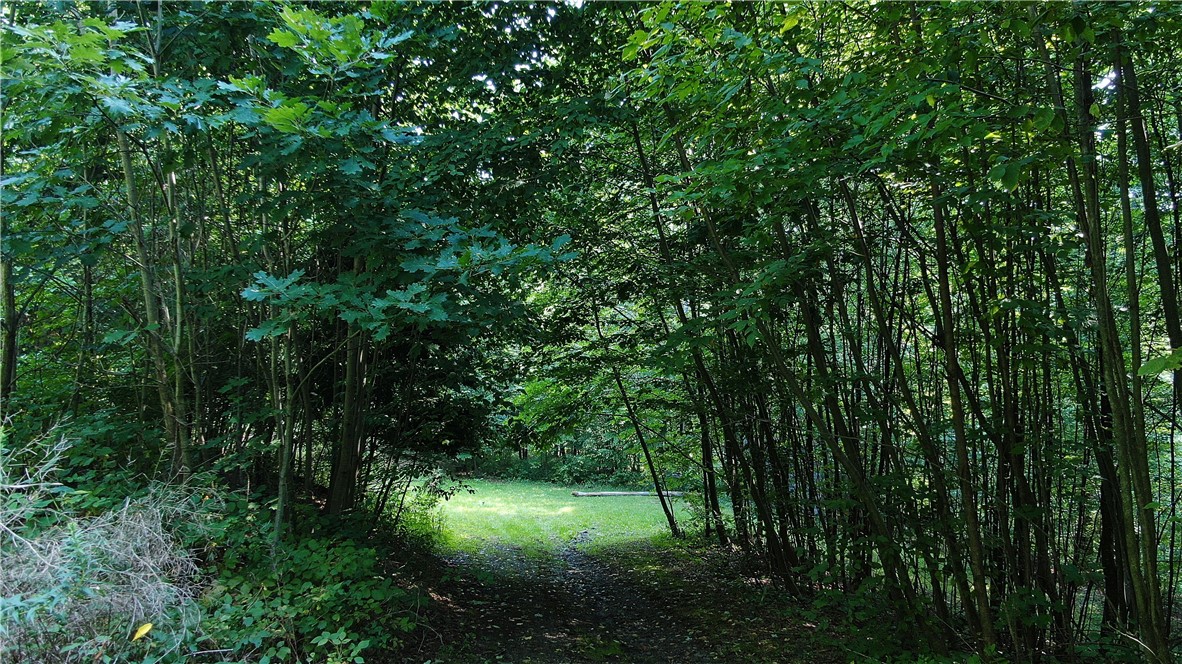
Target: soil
[{"x": 637, "y": 603}]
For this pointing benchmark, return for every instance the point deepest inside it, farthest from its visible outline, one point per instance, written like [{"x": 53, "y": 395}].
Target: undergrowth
[
  {"x": 594, "y": 466},
  {"x": 169, "y": 573},
  {"x": 80, "y": 588},
  {"x": 319, "y": 597}
]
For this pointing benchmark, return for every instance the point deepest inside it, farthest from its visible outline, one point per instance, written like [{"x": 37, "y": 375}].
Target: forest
[{"x": 889, "y": 290}]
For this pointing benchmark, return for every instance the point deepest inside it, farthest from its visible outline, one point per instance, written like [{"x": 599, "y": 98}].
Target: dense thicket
[{"x": 898, "y": 282}]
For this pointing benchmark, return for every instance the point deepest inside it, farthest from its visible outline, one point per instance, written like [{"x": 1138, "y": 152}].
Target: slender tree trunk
[
  {"x": 928, "y": 447},
  {"x": 8, "y": 341},
  {"x": 86, "y": 350},
  {"x": 714, "y": 522},
  {"x": 634, "y": 418},
  {"x": 9, "y": 326},
  {"x": 285, "y": 404},
  {"x": 306, "y": 431},
  {"x": 967, "y": 488},
  {"x": 1130, "y": 96},
  {"x": 154, "y": 330},
  {"x": 1136, "y": 496}
]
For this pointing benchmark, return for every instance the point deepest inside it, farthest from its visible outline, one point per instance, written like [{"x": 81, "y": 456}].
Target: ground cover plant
[{"x": 181, "y": 572}]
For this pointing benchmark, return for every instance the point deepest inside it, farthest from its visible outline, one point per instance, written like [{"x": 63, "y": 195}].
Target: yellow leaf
[{"x": 142, "y": 631}]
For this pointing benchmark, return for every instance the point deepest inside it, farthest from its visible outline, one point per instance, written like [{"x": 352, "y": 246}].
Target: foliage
[
  {"x": 898, "y": 282},
  {"x": 81, "y": 572},
  {"x": 595, "y": 466},
  {"x": 290, "y": 605}
]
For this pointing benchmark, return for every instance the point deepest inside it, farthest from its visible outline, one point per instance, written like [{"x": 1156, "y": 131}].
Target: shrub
[
  {"x": 593, "y": 466},
  {"x": 176, "y": 571},
  {"x": 421, "y": 518},
  {"x": 314, "y": 598},
  {"x": 76, "y": 588}
]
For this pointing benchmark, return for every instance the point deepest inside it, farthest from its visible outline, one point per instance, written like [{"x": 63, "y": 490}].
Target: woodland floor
[{"x": 630, "y": 602}]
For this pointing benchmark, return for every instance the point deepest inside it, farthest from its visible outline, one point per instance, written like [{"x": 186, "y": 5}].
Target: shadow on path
[{"x": 504, "y": 604}]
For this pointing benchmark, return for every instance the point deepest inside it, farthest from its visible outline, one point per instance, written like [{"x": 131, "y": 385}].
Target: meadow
[{"x": 539, "y": 517}]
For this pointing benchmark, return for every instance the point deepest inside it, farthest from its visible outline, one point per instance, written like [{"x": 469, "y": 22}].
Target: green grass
[{"x": 538, "y": 517}]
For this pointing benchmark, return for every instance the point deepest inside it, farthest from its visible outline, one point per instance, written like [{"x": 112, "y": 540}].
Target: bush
[
  {"x": 420, "y": 519},
  {"x": 83, "y": 574},
  {"x": 599, "y": 466},
  {"x": 594, "y": 466},
  {"x": 76, "y": 588},
  {"x": 314, "y": 598}
]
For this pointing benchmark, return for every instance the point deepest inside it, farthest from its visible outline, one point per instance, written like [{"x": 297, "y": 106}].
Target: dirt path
[{"x": 568, "y": 606}]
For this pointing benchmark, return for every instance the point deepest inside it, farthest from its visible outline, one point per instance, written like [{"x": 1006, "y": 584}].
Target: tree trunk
[
  {"x": 968, "y": 490},
  {"x": 1136, "y": 494},
  {"x": 8, "y": 341},
  {"x": 9, "y": 326},
  {"x": 176, "y": 429},
  {"x": 347, "y": 460},
  {"x": 634, "y": 418}
]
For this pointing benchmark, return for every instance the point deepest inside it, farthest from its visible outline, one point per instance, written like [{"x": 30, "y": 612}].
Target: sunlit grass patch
[{"x": 537, "y": 517}]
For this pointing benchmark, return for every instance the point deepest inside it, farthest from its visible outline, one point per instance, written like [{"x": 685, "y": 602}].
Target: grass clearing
[{"x": 539, "y": 517}]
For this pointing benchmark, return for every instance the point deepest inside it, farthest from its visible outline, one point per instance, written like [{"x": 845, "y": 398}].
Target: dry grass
[{"x": 75, "y": 589}]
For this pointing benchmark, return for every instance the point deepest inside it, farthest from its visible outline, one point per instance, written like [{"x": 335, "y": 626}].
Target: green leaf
[
  {"x": 269, "y": 328},
  {"x": 1043, "y": 117},
  {"x": 117, "y": 106},
  {"x": 243, "y": 115},
  {"x": 1009, "y": 179},
  {"x": 253, "y": 294},
  {"x": 634, "y": 44},
  {"x": 418, "y": 264},
  {"x": 1171, "y": 362},
  {"x": 283, "y": 38},
  {"x": 401, "y": 135},
  {"x": 287, "y": 118},
  {"x": 120, "y": 336}
]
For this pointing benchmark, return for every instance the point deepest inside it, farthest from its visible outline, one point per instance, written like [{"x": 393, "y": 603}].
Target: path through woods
[{"x": 631, "y": 603}]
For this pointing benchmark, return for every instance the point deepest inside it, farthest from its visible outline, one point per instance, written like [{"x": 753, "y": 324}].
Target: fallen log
[{"x": 592, "y": 494}]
